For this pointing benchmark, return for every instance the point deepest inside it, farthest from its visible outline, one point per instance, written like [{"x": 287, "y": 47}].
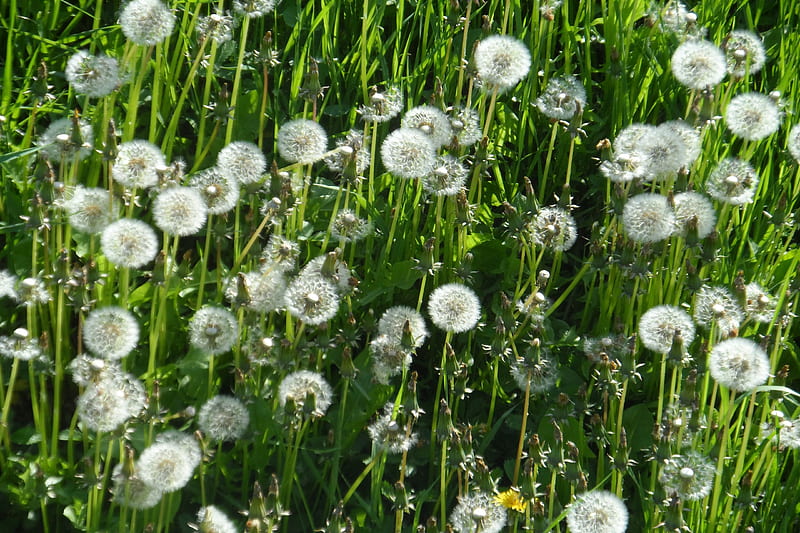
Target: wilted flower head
[
  {"x": 698, "y": 64},
  {"x": 659, "y": 325},
  {"x": 62, "y": 141},
  {"x": 454, "y": 307},
  {"x": 110, "y": 332},
  {"x": 215, "y": 27},
  {"x": 169, "y": 464},
  {"x": 739, "y": 364},
  {"x": 383, "y": 106},
  {"x": 213, "y": 330},
  {"x": 223, "y": 418},
  {"x": 648, "y": 218},
  {"x": 88, "y": 209},
  {"x": 242, "y": 161},
  {"x": 390, "y": 435},
  {"x": 689, "y": 476},
  {"x": 254, "y": 8},
  {"x": 211, "y": 519},
  {"x": 447, "y": 178},
  {"x": 733, "y": 181},
  {"x": 349, "y": 227},
  {"x": 501, "y": 61},
  {"x": 431, "y": 121},
  {"x": 553, "y": 227},
  {"x": 92, "y": 75},
  {"x": 752, "y": 116},
  {"x": 312, "y": 299},
  {"x": 694, "y": 211},
  {"x": 298, "y": 387},
  {"x": 466, "y": 125},
  {"x": 716, "y": 306},
  {"x": 745, "y": 53},
  {"x": 478, "y": 513},
  {"x": 759, "y": 305},
  {"x": 129, "y": 243},
  {"x": 111, "y": 399},
  {"x": 598, "y": 511},
  {"x": 137, "y": 164},
  {"x": 180, "y": 211},
  {"x": 146, "y": 22},
  {"x": 563, "y": 98},
  {"x": 408, "y": 153},
  {"x": 396, "y": 319},
  {"x": 220, "y": 191},
  {"x": 302, "y": 141}
]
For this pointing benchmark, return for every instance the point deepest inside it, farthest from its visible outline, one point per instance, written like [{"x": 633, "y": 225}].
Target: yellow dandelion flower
[{"x": 511, "y": 499}]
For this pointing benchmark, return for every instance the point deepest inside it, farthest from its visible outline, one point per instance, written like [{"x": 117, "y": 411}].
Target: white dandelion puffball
[
  {"x": 129, "y": 243},
  {"x": 180, "y": 211},
  {"x": 298, "y": 385},
  {"x": 110, "y": 332},
  {"x": 698, "y": 64},
  {"x": 648, "y": 218},
  {"x": 501, "y": 61},
  {"x": 168, "y": 465},
  {"x": 90, "y": 209},
  {"x": 220, "y": 191},
  {"x": 393, "y": 322},
  {"x": 793, "y": 143},
  {"x": 137, "y": 164},
  {"x": 752, "y": 116},
  {"x": 312, "y": 299},
  {"x": 478, "y": 512},
  {"x": 598, "y": 511},
  {"x": 563, "y": 98},
  {"x": 302, "y": 141},
  {"x": 223, "y": 418},
  {"x": 659, "y": 325},
  {"x": 213, "y": 330},
  {"x": 454, "y": 307},
  {"x": 146, "y": 22},
  {"x": 554, "y": 228},
  {"x": 739, "y": 364},
  {"x": 242, "y": 161},
  {"x": 94, "y": 76},
  {"x": 211, "y": 519},
  {"x": 408, "y": 153},
  {"x": 690, "y": 475},
  {"x": 745, "y": 53},
  {"x": 734, "y": 181},
  {"x": 693, "y": 210},
  {"x": 431, "y": 121}
]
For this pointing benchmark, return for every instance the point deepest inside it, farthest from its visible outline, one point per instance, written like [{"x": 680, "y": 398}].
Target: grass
[{"x": 605, "y": 421}]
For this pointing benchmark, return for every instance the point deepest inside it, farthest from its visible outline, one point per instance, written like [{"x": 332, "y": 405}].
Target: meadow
[{"x": 399, "y": 265}]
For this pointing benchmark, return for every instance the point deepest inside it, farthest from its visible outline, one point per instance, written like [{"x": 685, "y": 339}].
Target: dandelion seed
[
  {"x": 129, "y": 243},
  {"x": 466, "y": 125},
  {"x": 716, "y": 306},
  {"x": 223, "y": 418},
  {"x": 302, "y": 141},
  {"x": 659, "y": 325},
  {"x": 242, "y": 162},
  {"x": 59, "y": 143},
  {"x": 694, "y": 212},
  {"x": 215, "y": 27},
  {"x": 431, "y": 121},
  {"x": 563, "y": 98},
  {"x": 759, "y": 305},
  {"x": 312, "y": 299},
  {"x": 744, "y": 52},
  {"x": 448, "y": 177},
  {"x": 130, "y": 491},
  {"x": 180, "y": 211},
  {"x": 389, "y": 435},
  {"x": 213, "y": 330},
  {"x": 648, "y": 218},
  {"x": 254, "y": 8},
  {"x": 501, "y": 61},
  {"x": 146, "y": 22},
  {"x": 349, "y": 227},
  {"x": 110, "y": 332},
  {"x": 454, "y": 307},
  {"x": 690, "y": 476},
  {"x": 698, "y": 64},
  {"x": 383, "y": 106},
  {"x": 598, "y": 511},
  {"x": 219, "y": 191},
  {"x": 212, "y": 520},
  {"x": 94, "y": 76},
  {"x": 89, "y": 210},
  {"x": 733, "y": 181},
  {"x": 298, "y": 386},
  {"x": 113, "y": 398},
  {"x": 168, "y": 465},
  {"x": 86, "y": 369},
  {"x": 478, "y": 512},
  {"x": 389, "y": 358},
  {"x": 752, "y": 116},
  {"x": 554, "y": 228},
  {"x": 408, "y": 153},
  {"x": 396, "y": 319},
  {"x": 739, "y": 364},
  {"x": 137, "y": 164}
]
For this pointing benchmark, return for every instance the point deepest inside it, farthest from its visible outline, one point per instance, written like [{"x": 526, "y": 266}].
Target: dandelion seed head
[
  {"x": 137, "y": 164},
  {"x": 659, "y": 325},
  {"x": 312, "y": 299},
  {"x": 689, "y": 476},
  {"x": 478, "y": 512},
  {"x": 33, "y": 291},
  {"x": 220, "y": 191},
  {"x": 130, "y": 491},
  {"x": 89, "y": 210},
  {"x": 692, "y": 209},
  {"x": 793, "y": 142},
  {"x": 180, "y": 211},
  {"x": 598, "y": 511},
  {"x": 648, "y": 218},
  {"x": 408, "y": 153},
  {"x": 447, "y": 178},
  {"x": 335, "y": 271},
  {"x": 431, "y": 121},
  {"x": 110, "y": 332},
  {"x": 302, "y": 141},
  {"x": 110, "y": 400},
  {"x": 759, "y": 304},
  {"x": 129, "y": 243},
  {"x": 349, "y": 227},
  {"x": 168, "y": 465},
  {"x": 8, "y": 282},
  {"x": 280, "y": 253},
  {"x": 501, "y": 61},
  {"x": 352, "y": 156},
  {"x": 554, "y": 228},
  {"x": 752, "y": 116},
  {"x": 691, "y": 139},
  {"x": 698, "y": 64},
  {"x": 296, "y": 386},
  {"x": 94, "y": 76},
  {"x": 454, "y": 307},
  {"x": 261, "y": 291},
  {"x": 389, "y": 358},
  {"x": 716, "y": 306},
  {"x": 20, "y": 346},
  {"x": 537, "y": 373},
  {"x": 744, "y": 52},
  {"x": 213, "y": 330},
  {"x": 466, "y": 125},
  {"x": 58, "y": 143},
  {"x": 212, "y": 519},
  {"x": 146, "y": 22},
  {"x": 563, "y": 98},
  {"x": 733, "y": 181},
  {"x": 254, "y": 8},
  {"x": 393, "y": 323},
  {"x": 387, "y": 434},
  {"x": 738, "y": 364},
  {"x": 383, "y": 106},
  {"x": 241, "y": 161},
  {"x": 215, "y": 27},
  {"x": 223, "y": 418}
]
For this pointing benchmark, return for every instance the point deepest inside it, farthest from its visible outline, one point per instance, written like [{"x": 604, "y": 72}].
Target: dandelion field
[{"x": 399, "y": 266}]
